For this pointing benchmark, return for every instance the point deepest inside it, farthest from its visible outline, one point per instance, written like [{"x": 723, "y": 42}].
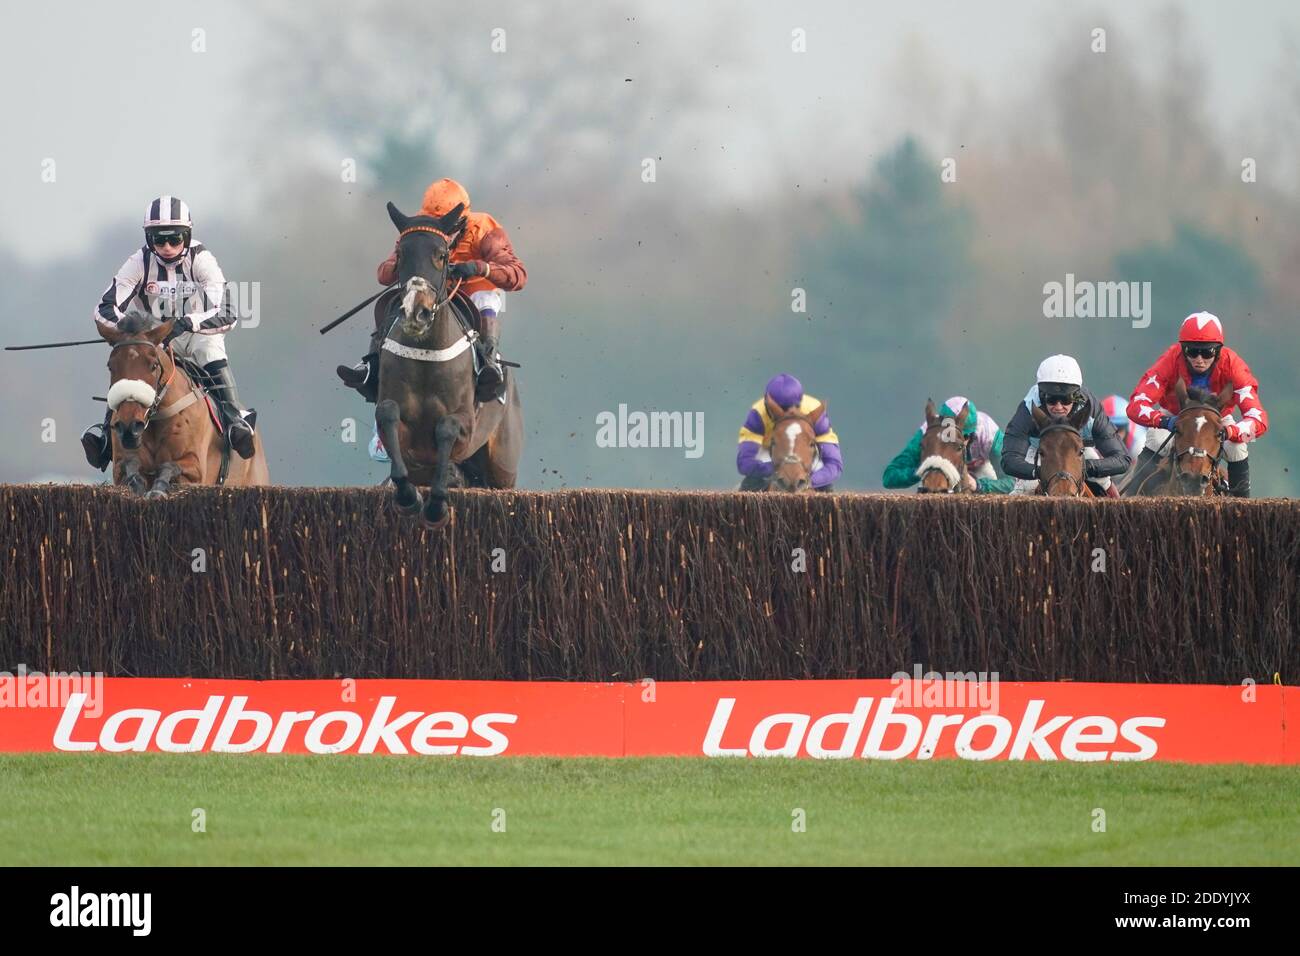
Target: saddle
[{"x": 204, "y": 383}]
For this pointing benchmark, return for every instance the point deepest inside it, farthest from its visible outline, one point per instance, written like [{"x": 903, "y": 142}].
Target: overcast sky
[{"x": 114, "y": 95}]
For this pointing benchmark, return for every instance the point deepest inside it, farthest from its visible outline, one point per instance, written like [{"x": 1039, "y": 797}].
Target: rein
[
  {"x": 1080, "y": 488},
  {"x": 1197, "y": 452},
  {"x": 161, "y": 388}
]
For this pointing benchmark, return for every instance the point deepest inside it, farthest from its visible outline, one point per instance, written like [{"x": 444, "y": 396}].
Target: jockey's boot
[
  {"x": 492, "y": 377},
  {"x": 98, "y": 443},
  {"x": 239, "y": 421},
  {"x": 364, "y": 376},
  {"x": 1239, "y": 478}
]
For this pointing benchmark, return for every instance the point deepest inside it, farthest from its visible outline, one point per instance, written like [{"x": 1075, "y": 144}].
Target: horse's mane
[
  {"x": 1200, "y": 395},
  {"x": 136, "y": 322}
]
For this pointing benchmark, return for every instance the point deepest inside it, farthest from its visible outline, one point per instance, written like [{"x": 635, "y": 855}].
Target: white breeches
[
  {"x": 200, "y": 349},
  {"x": 489, "y": 300},
  {"x": 1232, "y": 450}
]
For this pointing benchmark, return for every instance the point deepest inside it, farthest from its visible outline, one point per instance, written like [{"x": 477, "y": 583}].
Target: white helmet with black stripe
[{"x": 168, "y": 215}]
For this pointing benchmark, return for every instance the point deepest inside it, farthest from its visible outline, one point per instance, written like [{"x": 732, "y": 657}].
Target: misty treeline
[{"x": 660, "y": 296}]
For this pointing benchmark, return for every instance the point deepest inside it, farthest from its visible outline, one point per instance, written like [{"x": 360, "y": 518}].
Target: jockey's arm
[
  {"x": 751, "y": 441},
  {"x": 901, "y": 471},
  {"x": 1115, "y": 459},
  {"x": 505, "y": 271},
  {"x": 996, "y": 486},
  {"x": 210, "y": 318},
  {"x": 1144, "y": 406},
  {"x": 1252, "y": 421},
  {"x": 828, "y": 447},
  {"x": 1015, "y": 446},
  {"x": 125, "y": 286},
  {"x": 387, "y": 272}
]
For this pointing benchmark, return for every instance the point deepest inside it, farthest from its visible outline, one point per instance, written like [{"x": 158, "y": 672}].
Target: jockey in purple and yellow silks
[{"x": 752, "y": 458}]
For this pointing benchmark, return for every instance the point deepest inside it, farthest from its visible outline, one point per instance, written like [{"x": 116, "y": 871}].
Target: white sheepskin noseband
[
  {"x": 942, "y": 464},
  {"x": 131, "y": 390}
]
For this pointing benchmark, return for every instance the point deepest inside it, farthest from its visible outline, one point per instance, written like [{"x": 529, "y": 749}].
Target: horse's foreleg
[
  {"x": 136, "y": 482},
  {"x": 445, "y": 433},
  {"x": 406, "y": 495},
  {"x": 168, "y": 471}
]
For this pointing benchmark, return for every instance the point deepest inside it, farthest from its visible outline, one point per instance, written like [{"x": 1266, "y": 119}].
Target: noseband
[
  {"x": 160, "y": 389},
  {"x": 1196, "y": 452},
  {"x": 1075, "y": 481}
]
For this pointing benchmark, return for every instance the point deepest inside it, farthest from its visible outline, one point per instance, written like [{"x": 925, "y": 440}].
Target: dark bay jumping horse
[
  {"x": 1191, "y": 468},
  {"x": 1060, "y": 454},
  {"x": 432, "y": 428},
  {"x": 943, "y": 452},
  {"x": 164, "y": 433}
]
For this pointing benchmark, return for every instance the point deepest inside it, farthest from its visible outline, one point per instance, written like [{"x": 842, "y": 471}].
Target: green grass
[{"x": 76, "y": 809}]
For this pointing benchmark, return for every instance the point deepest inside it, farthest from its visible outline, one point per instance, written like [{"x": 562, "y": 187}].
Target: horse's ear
[
  {"x": 963, "y": 418},
  {"x": 774, "y": 411},
  {"x": 399, "y": 220},
  {"x": 110, "y": 333},
  {"x": 930, "y": 414},
  {"x": 1225, "y": 396},
  {"x": 816, "y": 414},
  {"x": 1041, "y": 418},
  {"x": 1180, "y": 391},
  {"x": 1079, "y": 416},
  {"x": 159, "y": 333}
]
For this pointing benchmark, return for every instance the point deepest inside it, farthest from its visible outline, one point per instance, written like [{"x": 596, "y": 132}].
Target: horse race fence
[{"x": 619, "y": 585}]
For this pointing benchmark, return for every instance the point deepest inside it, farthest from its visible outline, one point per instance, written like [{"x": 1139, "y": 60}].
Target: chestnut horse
[
  {"x": 1192, "y": 467},
  {"x": 943, "y": 452},
  {"x": 163, "y": 434},
  {"x": 792, "y": 447},
  {"x": 432, "y": 427},
  {"x": 1060, "y": 454}
]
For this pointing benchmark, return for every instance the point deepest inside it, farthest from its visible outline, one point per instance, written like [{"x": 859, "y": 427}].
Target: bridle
[
  {"x": 960, "y": 469},
  {"x": 792, "y": 458},
  {"x": 451, "y": 241},
  {"x": 1197, "y": 452},
  {"x": 1080, "y": 489},
  {"x": 161, "y": 388}
]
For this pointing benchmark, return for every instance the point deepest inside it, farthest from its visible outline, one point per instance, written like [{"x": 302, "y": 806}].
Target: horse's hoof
[
  {"x": 155, "y": 493},
  {"x": 433, "y": 524},
  {"x": 137, "y": 489},
  {"x": 408, "y": 505}
]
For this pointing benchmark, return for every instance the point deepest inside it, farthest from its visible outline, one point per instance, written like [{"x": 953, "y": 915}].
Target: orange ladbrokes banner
[{"x": 871, "y": 719}]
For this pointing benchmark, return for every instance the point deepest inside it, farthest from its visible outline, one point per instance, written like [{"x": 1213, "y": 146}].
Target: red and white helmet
[{"x": 1202, "y": 327}]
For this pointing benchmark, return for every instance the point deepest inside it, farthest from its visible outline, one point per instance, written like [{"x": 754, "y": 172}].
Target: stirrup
[{"x": 97, "y": 446}]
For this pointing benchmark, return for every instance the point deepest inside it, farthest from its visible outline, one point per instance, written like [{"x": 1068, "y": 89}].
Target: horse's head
[
  {"x": 793, "y": 445},
  {"x": 1198, "y": 437},
  {"x": 139, "y": 368},
  {"x": 943, "y": 451},
  {"x": 424, "y": 245},
  {"x": 1060, "y": 452}
]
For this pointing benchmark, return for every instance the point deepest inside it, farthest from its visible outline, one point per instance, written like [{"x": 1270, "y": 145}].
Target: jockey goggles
[
  {"x": 1200, "y": 351},
  {"x": 1057, "y": 397},
  {"x": 162, "y": 237}
]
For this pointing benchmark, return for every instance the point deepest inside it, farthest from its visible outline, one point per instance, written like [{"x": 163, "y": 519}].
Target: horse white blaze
[
  {"x": 791, "y": 436},
  {"x": 1200, "y": 422}
]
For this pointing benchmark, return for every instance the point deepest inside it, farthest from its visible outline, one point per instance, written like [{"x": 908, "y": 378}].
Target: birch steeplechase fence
[{"x": 622, "y": 585}]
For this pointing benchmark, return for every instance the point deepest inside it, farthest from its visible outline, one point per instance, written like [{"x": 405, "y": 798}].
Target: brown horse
[
  {"x": 792, "y": 447},
  {"x": 427, "y": 414},
  {"x": 943, "y": 452},
  {"x": 163, "y": 433},
  {"x": 1060, "y": 454},
  {"x": 1192, "y": 467}
]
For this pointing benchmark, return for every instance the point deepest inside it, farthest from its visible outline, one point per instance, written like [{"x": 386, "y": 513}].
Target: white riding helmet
[
  {"x": 1060, "y": 370},
  {"x": 168, "y": 211}
]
